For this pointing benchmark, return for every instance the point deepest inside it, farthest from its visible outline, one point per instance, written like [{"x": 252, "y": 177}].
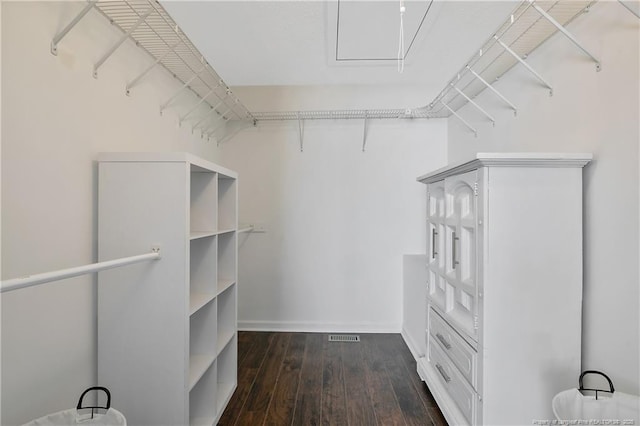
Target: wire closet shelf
[
  {"x": 152, "y": 29},
  {"x": 530, "y": 25}
]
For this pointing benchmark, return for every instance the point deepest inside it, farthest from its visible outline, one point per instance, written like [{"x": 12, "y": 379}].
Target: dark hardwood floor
[{"x": 303, "y": 379}]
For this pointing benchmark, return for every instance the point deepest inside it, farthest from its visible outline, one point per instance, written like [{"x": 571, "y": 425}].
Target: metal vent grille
[{"x": 344, "y": 338}]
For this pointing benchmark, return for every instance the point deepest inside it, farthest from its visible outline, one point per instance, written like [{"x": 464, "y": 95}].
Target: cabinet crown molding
[{"x": 509, "y": 159}]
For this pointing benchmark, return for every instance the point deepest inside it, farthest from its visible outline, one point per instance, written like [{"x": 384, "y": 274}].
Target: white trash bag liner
[
  {"x": 74, "y": 417},
  {"x": 88, "y": 416},
  {"x": 603, "y": 407}
]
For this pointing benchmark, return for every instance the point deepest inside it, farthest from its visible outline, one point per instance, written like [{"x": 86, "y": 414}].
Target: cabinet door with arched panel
[
  {"x": 461, "y": 305},
  {"x": 435, "y": 243}
]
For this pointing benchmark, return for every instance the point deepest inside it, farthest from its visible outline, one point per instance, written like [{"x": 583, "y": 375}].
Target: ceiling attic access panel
[
  {"x": 369, "y": 31},
  {"x": 293, "y": 43}
]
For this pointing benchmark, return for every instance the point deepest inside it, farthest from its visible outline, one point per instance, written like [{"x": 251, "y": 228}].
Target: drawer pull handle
[
  {"x": 433, "y": 243},
  {"x": 454, "y": 262},
  {"x": 444, "y": 342},
  {"x": 443, "y": 374}
]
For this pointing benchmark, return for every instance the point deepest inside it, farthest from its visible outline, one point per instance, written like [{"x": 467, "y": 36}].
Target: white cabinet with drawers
[{"x": 504, "y": 262}]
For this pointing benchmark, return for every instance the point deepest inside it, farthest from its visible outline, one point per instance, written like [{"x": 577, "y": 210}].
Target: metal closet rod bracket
[
  {"x": 209, "y": 115},
  {"x": 137, "y": 80},
  {"x": 301, "y": 132},
  {"x": 474, "y": 103},
  {"x": 526, "y": 65},
  {"x": 58, "y": 37},
  {"x": 195, "y": 107},
  {"x": 217, "y": 123},
  {"x": 228, "y": 136},
  {"x": 475, "y": 132},
  {"x": 365, "y": 130},
  {"x": 628, "y": 8},
  {"x": 564, "y": 31},
  {"x": 122, "y": 39},
  {"x": 183, "y": 87},
  {"x": 494, "y": 90}
]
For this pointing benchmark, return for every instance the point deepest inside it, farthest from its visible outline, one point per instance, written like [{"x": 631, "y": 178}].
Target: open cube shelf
[{"x": 167, "y": 331}]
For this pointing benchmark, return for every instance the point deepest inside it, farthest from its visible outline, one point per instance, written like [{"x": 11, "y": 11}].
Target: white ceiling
[{"x": 266, "y": 43}]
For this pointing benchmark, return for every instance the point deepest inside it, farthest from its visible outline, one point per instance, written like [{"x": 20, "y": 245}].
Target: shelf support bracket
[
  {"x": 58, "y": 37},
  {"x": 213, "y": 131},
  {"x": 365, "y": 130},
  {"x": 204, "y": 98},
  {"x": 137, "y": 80},
  {"x": 527, "y": 66},
  {"x": 217, "y": 123},
  {"x": 184, "y": 86},
  {"x": 221, "y": 117},
  {"x": 125, "y": 36},
  {"x": 478, "y": 107},
  {"x": 301, "y": 132},
  {"x": 628, "y": 8},
  {"x": 235, "y": 132},
  {"x": 221, "y": 123},
  {"x": 475, "y": 132},
  {"x": 493, "y": 89},
  {"x": 209, "y": 115},
  {"x": 564, "y": 31}
]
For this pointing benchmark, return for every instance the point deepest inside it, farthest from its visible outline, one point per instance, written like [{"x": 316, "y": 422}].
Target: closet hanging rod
[{"x": 31, "y": 280}]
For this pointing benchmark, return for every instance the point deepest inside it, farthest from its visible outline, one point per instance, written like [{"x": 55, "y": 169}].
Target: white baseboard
[
  {"x": 414, "y": 347},
  {"x": 318, "y": 327}
]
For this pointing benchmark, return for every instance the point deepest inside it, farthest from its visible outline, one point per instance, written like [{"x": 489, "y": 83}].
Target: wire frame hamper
[
  {"x": 586, "y": 406},
  {"x": 84, "y": 415}
]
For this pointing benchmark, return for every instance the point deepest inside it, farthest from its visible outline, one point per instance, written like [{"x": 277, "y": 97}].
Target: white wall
[
  {"x": 338, "y": 220},
  {"x": 594, "y": 112},
  {"x": 55, "y": 119}
]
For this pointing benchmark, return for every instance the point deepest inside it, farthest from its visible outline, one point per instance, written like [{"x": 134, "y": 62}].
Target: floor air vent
[{"x": 344, "y": 338}]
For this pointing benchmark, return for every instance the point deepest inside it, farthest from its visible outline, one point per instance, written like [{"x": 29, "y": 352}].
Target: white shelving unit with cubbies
[{"x": 167, "y": 331}]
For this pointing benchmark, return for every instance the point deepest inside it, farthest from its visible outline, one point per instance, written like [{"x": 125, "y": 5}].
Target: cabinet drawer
[
  {"x": 459, "y": 351},
  {"x": 457, "y": 387}
]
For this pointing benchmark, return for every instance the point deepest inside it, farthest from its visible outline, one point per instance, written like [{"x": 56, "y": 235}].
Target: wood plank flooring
[{"x": 303, "y": 379}]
